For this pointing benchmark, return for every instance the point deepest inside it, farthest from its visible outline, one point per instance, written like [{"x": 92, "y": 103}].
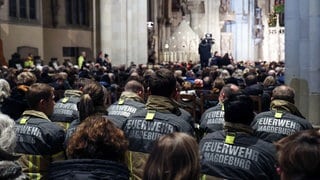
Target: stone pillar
[
  {"x": 212, "y": 22},
  {"x": 302, "y": 41},
  {"x": 124, "y": 30},
  {"x": 193, "y": 6}
]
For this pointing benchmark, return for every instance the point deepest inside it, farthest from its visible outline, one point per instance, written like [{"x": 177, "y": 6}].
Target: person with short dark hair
[
  {"x": 299, "y": 156},
  {"x": 161, "y": 116},
  {"x": 96, "y": 151},
  {"x": 252, "y": 85},
  {"x": 174, "y": 156},
  {"x": 235, "y": 153},
  {"x": 130, "y": 101},
  {"x": 39, "y": 140},
  {"x": 283, "y": 119}
]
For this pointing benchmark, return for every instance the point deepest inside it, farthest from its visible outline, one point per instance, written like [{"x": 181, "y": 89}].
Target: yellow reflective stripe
[
  {"x": 38, "y": 160},
  {"x": 121, "y": 101},
  {"x": 58, "y": 156},
  {"x": 203, "y": 177},
  {"x": 30, "y": 164},
  {"x": 34, "y": 166},
  {"x": 230, "y": 138},
  {"x": 65, "y": 100},
  {"x": 222, "y": 107},
  {"x": 24, "y": 120},
  {"x": 67, "y": 125},
  {"x": 130, "y": 162},
  {"x": 278, "y": 115},
  {"x": 150, "y": 115}
]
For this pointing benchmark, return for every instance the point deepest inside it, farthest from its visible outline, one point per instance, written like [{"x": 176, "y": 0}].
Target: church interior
[{"x": 162, "y": 31}]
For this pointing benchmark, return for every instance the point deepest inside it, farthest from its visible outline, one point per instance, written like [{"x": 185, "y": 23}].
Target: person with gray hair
[
  {"x": 9, "y": 168},
  {"x": 4, "y": 90}
]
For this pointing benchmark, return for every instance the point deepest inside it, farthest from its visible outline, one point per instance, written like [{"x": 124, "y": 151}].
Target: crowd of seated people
[{"x": 127, "y": 122}]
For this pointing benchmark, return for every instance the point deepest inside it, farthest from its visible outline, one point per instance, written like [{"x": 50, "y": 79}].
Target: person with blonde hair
[{"x": 174, "y": 156}]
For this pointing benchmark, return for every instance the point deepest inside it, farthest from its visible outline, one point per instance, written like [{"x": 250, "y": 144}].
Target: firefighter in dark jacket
[
  {"x": 39, "y": 140},
  {"x": 213, "y": 118},
  {"x": 66, "y": 109},
  {"x": 234, "y": 153},
  {"x": 283, "y": 119},
  {"x": 130, "y": 101},
  {"x": 161, "y": 116}
]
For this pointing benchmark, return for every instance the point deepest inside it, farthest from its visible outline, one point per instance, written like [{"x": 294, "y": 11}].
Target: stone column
[
  {"x": 212, "y": 22},
  {"x": 124, "y": 30},
  {"x": 302, "y": 41},
  {"x": 193, "y": 6}
]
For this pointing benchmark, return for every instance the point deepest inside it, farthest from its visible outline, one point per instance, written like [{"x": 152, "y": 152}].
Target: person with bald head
[
  {"x": 131, "y": 100},
  {"x": 283, "y": 119},
  {"x": 213, "y": 118}
]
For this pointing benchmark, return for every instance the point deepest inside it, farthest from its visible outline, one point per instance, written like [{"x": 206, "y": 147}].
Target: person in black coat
[
  {"x": 235, "y": 153},
  {"x": 205, "y": 53},
  {"x": 16, "y": 61}
]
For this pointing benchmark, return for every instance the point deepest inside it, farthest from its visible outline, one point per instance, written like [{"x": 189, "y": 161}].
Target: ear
[{"x": 42, "y": 101}]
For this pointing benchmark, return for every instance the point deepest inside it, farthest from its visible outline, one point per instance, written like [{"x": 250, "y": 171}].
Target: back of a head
[
  {"x": 299, "y": 155},
  {"x": 4, "y": 89},
  {"x": 269, "y": 81},
  {"x": 238, "y": 108},
  {"x": 37, "y": 92},
  {"x": 162, "y": 83},
  {"x": 283, "y": 92},
  {"x": 133, "y": 86},
  {"x": 80, "y": 83},
  {"x": 92, "y": 100},
  {"x": 7, "y": 136},
  {"x": 174, "y": 156},
  {"x": 227, "y": 90},
  {"x": 251, "y": 80},
  {"x": 26, "y": 78},
  {"x": 218, "y": 83},
  {"x": 97, "y": 138}
]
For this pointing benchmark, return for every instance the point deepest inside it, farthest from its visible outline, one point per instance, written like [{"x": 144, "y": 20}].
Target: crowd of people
[{"x": 98, "y": 121}]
